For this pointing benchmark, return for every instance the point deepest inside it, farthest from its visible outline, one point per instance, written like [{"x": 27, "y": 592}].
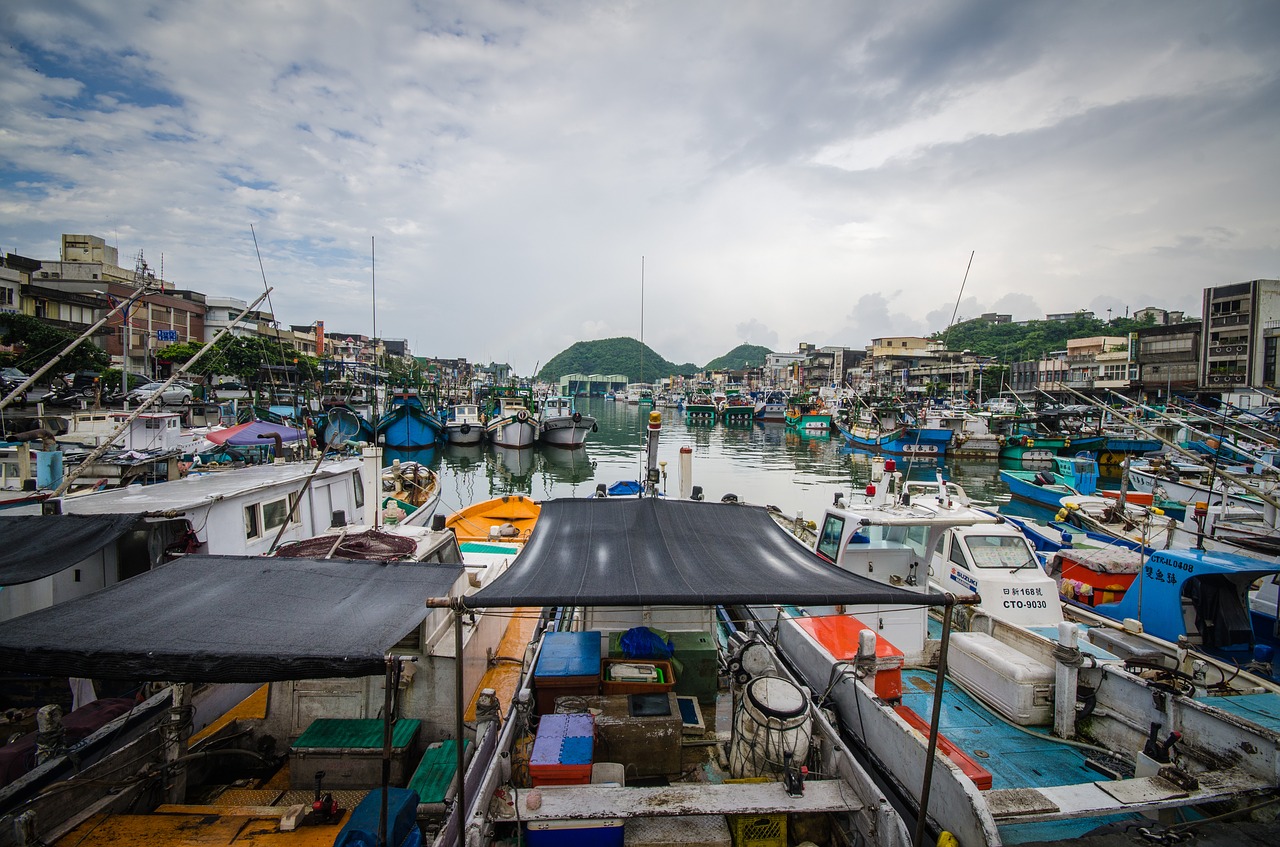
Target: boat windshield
[{"x": 999, "y": 551}]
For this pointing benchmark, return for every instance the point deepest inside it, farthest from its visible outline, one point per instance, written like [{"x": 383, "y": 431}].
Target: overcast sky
[{"x": 789, "y": 172}]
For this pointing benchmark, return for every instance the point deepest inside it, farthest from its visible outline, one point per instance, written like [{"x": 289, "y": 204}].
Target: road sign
[{"x": 166, "y": 335}]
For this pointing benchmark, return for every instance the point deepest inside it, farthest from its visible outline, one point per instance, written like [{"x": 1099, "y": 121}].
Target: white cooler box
[{"x": 1013, "y": 683}]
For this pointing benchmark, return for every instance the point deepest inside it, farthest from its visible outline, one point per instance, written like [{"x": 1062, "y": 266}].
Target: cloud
[
  {"x": 754, "y": 332},
  {"x": 501, "y": 169}
]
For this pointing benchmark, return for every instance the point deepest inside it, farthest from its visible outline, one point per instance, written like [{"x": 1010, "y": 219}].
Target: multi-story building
[
  {"x": 1167, "y": 359},
  {"x": 1234, "y": 343}
]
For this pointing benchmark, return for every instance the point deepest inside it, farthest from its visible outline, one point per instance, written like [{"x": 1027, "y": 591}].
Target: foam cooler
[
  {"x": 1015, "y": 684},
  {"x": 563, "y": 750},
  {"x": 568, "y": 665}
]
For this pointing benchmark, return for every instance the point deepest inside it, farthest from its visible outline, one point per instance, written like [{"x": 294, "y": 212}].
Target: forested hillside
[
  {"x": 742, "y": 356},
  {"x": 612, "y": 356}
]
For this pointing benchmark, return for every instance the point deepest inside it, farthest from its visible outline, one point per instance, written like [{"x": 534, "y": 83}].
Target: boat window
[
  {"x": 275, "y": 513},
  {"x": 829, "y": 542},
  {"x": 957, "y": 557},
  {"x": 999, "y": 551},
  {"x": 252, "y": 525}
]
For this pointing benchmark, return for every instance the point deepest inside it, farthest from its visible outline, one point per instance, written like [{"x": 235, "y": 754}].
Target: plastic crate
[
  {"x": 758, "y": 830},
  {"x": 667, "y": 674}
]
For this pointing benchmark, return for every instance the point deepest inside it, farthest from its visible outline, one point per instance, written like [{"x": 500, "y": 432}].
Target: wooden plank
[
  {"x": 1094, "y": 799},
  {"x": 581, "y": 802}
]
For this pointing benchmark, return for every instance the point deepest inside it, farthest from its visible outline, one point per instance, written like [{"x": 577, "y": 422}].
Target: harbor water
[{"x": 763, "y": 463}]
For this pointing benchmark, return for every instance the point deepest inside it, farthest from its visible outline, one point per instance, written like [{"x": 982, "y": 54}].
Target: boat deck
[
  {"x": 503, "y": 675},
  {"x": 1014, "y": 758}
]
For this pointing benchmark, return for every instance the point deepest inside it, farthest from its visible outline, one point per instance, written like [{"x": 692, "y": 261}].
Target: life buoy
[
  {"x": 465, "y": 428},
  {"x": 577, "y": 417}
]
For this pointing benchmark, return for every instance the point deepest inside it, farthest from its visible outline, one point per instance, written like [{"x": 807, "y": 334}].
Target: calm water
[{"x": 762, "y": 464}]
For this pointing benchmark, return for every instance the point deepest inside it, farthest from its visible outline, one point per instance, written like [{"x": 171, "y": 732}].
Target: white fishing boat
[
  {"x": 511, "y": 421},
  {"x": 463, "y": 424},
  {"x": 562, "y": 425},
  {"x": 1047, "y": 737}
]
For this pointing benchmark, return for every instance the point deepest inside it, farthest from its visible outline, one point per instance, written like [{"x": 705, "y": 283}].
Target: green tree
[{"x": 38, "y": 342}]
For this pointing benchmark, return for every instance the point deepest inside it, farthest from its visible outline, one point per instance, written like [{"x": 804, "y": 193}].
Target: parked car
[{"x": 174, "y": 394}]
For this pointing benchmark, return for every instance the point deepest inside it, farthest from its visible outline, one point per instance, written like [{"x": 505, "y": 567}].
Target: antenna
[
  {"x": 373, "y": 277},
  {"x": 641, "y": 319}
]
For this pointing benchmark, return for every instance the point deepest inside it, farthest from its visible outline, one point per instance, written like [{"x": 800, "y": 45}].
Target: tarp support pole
[
  {"x": 934, "y": 720},
  {"x": 387, "y": 681},
  {"x": 461, "y": 801}
]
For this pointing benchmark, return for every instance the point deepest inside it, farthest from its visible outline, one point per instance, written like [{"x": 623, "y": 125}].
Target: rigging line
[
  {"x": 956, "y": 310},
  {"x": 271, "y": 374}
]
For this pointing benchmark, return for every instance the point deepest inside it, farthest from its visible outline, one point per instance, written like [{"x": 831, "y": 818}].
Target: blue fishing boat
[
  {"x": 1046, "y": 488},
  {"x": 407, "y": 425},
  {"x": 887, "y": 429}
]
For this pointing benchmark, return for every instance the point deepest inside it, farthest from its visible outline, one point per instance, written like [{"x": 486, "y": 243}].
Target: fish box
[
  {"x": 605, "y": 832},
  {"x": 1013, "y": 683},
  {"x": 563, "y": 750},
  {"x": 349, "y": 751},
  {"x": 695, "y": 662},
  {"x": 637, "y": 676},
  {"x": 568, "y": 666}
]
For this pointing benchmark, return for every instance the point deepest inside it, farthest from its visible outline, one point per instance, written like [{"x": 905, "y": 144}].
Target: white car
[{"x": 174, "y": 394}]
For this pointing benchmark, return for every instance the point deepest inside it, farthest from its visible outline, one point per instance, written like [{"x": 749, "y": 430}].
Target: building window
[{"x": 6, "y": 296}]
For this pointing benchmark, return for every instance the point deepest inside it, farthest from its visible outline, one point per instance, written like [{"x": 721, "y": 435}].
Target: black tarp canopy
[
  {"x": 653, "y": 551},
  {"x": 35, "y": 546},
  {"x": 231, "y": 619}
]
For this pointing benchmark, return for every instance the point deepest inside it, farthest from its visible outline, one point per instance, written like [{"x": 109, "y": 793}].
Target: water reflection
[{"x": 763, "y": 463}]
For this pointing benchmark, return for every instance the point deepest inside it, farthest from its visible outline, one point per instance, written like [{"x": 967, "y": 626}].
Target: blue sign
[{"x": 166, "y": 335}]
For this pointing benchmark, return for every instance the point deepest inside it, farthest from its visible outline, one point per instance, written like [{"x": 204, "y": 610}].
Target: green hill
[
  {"x": 1016, "y": 342},
  {"x": 742, "y": 356},
  {"x": 612, "y": 356}
]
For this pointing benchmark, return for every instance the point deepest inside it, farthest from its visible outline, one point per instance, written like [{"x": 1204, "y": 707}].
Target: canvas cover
[
  {"x": 35, "y": 546},
  {"x": 231, "y": 619},
  {"x": 654, "y": 551}
]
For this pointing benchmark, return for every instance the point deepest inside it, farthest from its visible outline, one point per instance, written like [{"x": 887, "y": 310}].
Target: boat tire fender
[
  {"x": 522, "y": 415},
  {"x": 595, "y": 427},
  {"x": 577, "y": 417},
  {"x": 465, "y": 428}
]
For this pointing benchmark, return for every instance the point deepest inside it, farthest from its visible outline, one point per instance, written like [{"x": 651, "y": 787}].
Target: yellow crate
[{"x": 758, "y": 830}]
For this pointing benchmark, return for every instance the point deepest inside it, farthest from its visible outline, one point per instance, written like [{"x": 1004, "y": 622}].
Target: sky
[{"x": 497, "y": 180}]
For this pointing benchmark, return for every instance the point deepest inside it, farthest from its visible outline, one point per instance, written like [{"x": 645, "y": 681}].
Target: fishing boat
[
  {"x": 408, "y": 425},
  {"x": 639, "y": 393},
  {"x": 511, "y": 421},
  {"x": 1040, "y": 743},
  {"x": 700, "y": 408},
  {"x": 323, "y": 424},
  {"x": 463, "y": 424},
  {"x": 737, "y": 411},
  {"x": 807, "y": 415},
  {"x": 1190, "y": 483},
  {"x": 562, "y": 425},
  {"x": 885, "y": 428},
  {"x": 1060, "y": 477},
  {"x": 410, "y": 493},
  {"x": 589, "y": 672},
  {"x": 771, "y": 407}
]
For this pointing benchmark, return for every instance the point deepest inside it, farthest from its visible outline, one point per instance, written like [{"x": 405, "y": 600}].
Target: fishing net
[{"x": 369, "y": 545}]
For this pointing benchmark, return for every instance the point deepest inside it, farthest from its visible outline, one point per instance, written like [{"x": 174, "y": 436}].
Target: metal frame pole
[{"x": 935, "y": 719}]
